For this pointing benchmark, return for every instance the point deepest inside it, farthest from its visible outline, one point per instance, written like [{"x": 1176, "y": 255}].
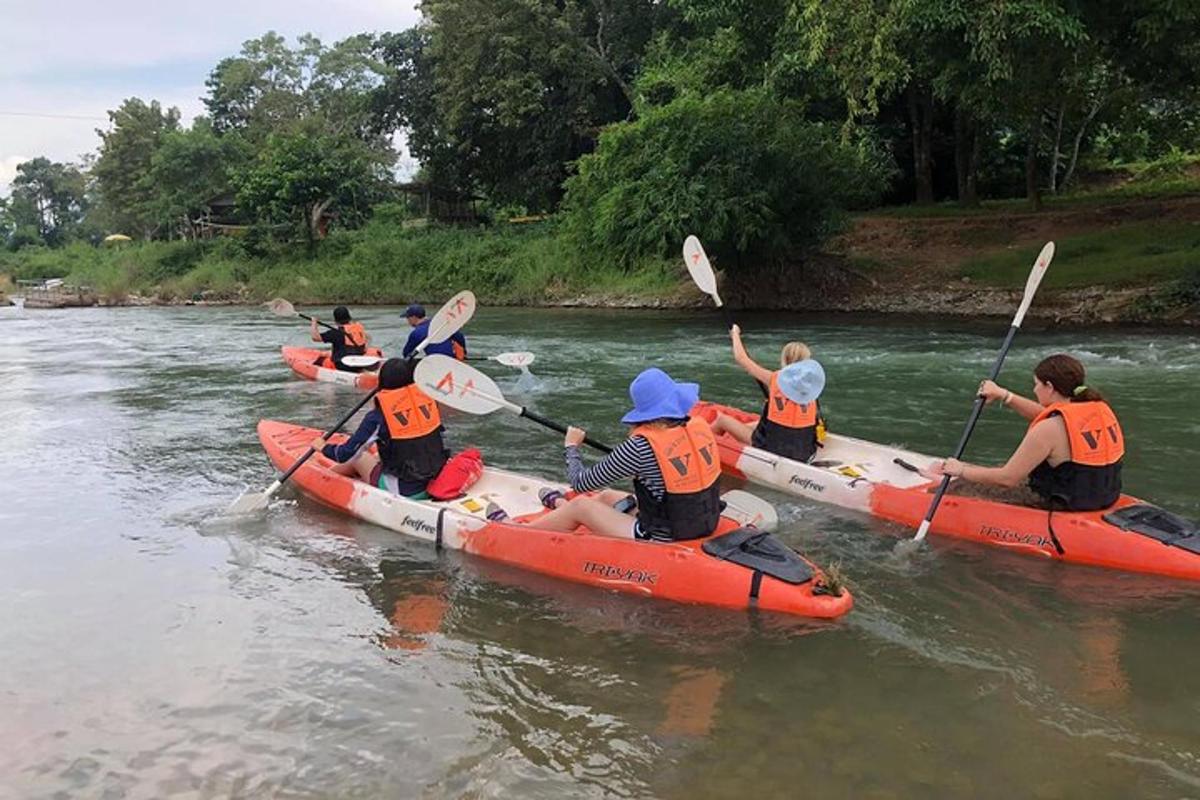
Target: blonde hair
[{"x": 793, "y": 352}]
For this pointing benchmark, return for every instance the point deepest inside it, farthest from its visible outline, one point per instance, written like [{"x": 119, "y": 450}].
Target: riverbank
[{"x": 1134, "y": 261}]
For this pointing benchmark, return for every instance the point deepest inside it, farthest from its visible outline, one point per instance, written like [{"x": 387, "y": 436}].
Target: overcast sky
[{"x": 80, "y": 58}]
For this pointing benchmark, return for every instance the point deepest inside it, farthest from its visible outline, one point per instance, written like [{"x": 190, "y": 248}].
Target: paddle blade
[
  {"x": 459, "y": 385},
  {"x": 699, "y": 268},
  {"x": 1035, "y": 279},
  {"x": 361, "y": 361},
  {"x": 518, "y": 360},
  {"x": 250, "y": 502},
  {"x": 280, "y": 307},
  {"x": 750, "y": 510},
  {"x": 450, "y": 318}
]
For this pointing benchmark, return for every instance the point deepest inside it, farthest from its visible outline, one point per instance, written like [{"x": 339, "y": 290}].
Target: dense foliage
[{"x": 754, "y": 123}]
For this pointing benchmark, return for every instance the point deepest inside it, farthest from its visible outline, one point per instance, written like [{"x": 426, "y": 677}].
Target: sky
[{"x": 73, "y": 60}]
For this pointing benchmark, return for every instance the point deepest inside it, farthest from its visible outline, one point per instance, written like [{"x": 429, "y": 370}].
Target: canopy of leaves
[
  {"x": 743, "y": 170},
  {"x": 126, "y": 151}
]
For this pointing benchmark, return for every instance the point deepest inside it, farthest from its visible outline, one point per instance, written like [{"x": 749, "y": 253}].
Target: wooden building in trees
[{"x": 428, "y": 203}]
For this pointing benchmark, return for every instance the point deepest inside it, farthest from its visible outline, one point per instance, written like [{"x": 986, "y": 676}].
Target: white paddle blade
[
  {"x": 521, "y": 359},
  {"x": 249, "y": 502},
  {"x": 1035, "y": 279},
  {"x": 699, "y": 268},
  {"x": 361, "y": 361},
  {"x": 449, "y": 319},
  {"x": 280, "y": 307},
  {"x": 750, "y": 510},
  {"x": 459, "y": 385}
]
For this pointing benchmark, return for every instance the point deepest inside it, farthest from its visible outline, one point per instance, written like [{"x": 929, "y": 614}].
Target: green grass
[
  {"x": 1174, "y": 175},
  {"x": 381, "y": 263},
  {"x": 1130, "y": 255}
]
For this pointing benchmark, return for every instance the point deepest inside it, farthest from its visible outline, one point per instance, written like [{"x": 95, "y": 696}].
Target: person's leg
[
  {"x": 608, "y": 496},
  {"x": 361, "y": 466},
  {"x": 738, "y": 430},
  {"x": 593, "y": 514}
]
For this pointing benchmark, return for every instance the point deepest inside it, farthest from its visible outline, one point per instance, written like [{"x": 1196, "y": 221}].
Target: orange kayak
[
  {"x": 315, "y": 365},
  {"x": 864, "y": 476},
  {"x": 685, "y": 572}
]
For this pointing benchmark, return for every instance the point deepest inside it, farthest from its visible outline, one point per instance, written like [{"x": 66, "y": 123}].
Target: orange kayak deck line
[
  {"x": 863, "y": 476},
  {"x": 678, "y": 571},
  {"x": 304, "y": 361}
]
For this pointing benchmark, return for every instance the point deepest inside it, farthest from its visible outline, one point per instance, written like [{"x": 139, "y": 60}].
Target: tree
[
  {"x": 519, "y": 89},
  {"x": 122, "y": 168},
  {"x": 188, "y": 168},
  {"x": 298, "y": 177},
  {"x": 49, "y": 197},
  {"x": 743, "y": 169}
]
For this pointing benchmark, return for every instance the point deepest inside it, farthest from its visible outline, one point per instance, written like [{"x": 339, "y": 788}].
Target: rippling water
[{"x": 151, "y": 648}]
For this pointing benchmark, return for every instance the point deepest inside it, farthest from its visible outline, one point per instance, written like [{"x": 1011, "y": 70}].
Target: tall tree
[
  {"x": 297, "y": 178},
  {"x": 189, "y": 168},
  {"x": 521, "y": 89},
  {"x": 126, "y": 152},
  {"x": 50, "y": 196}
]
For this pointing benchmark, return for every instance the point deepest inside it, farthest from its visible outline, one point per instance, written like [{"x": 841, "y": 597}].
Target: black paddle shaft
[
  {"x": 310, "y": 319},
  {"x": 557, "y": 426},
  {"x": 337, "y": 427},
  {"x": 980, "y": 401}
]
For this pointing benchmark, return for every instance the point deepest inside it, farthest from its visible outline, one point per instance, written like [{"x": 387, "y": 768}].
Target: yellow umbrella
[{"x": 117, "y": 237}]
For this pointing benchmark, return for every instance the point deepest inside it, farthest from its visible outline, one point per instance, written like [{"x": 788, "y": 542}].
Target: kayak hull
[
  {"x": 887, "y": 491},
  {"x": 677, "y": 571},
  {"x": 307, "y": 363}
]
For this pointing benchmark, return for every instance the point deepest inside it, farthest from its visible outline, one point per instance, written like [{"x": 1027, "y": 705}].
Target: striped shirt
[{"x": 633, "y": 458}]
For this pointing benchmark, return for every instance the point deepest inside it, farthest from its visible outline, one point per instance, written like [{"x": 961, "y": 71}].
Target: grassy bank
[
  {"x": 381, "y": 263},
  {"x": 1129, "y": 255}
]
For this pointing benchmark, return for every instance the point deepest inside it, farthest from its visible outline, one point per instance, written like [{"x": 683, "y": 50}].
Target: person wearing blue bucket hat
[
  {"x": 455, "y": 346},
  {"x": 671, "y": 458},
  {"x": 790, "y": 424}
]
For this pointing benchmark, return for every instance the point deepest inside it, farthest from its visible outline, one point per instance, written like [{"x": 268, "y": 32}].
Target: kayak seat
[
  {"x": 1170, "y": 529},
  {"x": 759, "y": 551}
]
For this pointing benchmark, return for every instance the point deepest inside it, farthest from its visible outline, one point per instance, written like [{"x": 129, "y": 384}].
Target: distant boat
[{"x": 54, "y": 293}]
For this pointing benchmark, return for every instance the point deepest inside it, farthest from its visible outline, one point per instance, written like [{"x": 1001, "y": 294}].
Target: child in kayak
[
  {"x": 455, "y": 346},
  {"x": 348, "y": 339},
  {"x": 671, "y": 458},
  {"x": 1072, "y": 451},
  {"x": 407, "y": 427},
  {"x": 791, "y": 415}
]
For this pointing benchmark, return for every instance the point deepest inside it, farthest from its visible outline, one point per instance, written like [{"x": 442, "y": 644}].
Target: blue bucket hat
[
  {"x": 656, "y": 396},
  {"x": 415, "y": 310},
  {"x": 802, "y": 381}
]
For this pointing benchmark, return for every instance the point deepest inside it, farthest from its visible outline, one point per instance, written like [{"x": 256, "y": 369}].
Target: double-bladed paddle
[
  {"x": 465, "y": 388},
  {"x": 517, "y": 360},
  {"x": 449, "y": 318}
]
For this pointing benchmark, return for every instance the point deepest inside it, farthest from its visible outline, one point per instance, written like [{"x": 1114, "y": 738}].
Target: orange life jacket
[
  {"x": 782, "y": 411},
  {"x": 410, "y": 440},
  {"x": 356, "y": 338},
  {"x": 786, "y": 428},
  {"x": 1091, "y": 479},
  {"x": 688, "y": 458},
  {"x": 460, "y": 352}
]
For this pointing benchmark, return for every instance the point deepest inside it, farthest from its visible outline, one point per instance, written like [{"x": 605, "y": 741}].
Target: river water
[{"x": 151, "y": 648}]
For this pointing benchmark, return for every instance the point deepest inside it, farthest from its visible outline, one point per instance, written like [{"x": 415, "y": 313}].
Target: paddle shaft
[
  {"x": 558, "y": 426},
  {"x": 976, "y": 411},
  {"x": 337, "y": 427},
  {"x": 310, "y": 319}
]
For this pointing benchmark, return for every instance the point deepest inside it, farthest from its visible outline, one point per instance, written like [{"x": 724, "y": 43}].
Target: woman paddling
[
  {"x": 671, "y": 458},
  {"x": 790, "y": 418},
  {"x": 406, "y": 425},
  {"x": 1072, "y": 451}
]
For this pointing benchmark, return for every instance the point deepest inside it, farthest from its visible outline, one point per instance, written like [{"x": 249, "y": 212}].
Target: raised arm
[
  {"x": 315, "y": 331},
  {"x": 743, "y": 359}
]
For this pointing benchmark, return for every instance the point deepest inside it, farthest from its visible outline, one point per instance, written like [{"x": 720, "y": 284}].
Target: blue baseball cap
[
  {"x": 415, "y": 310},
  {"x": 656, "y": 395},
  {"x": 802, "y": 381}
]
